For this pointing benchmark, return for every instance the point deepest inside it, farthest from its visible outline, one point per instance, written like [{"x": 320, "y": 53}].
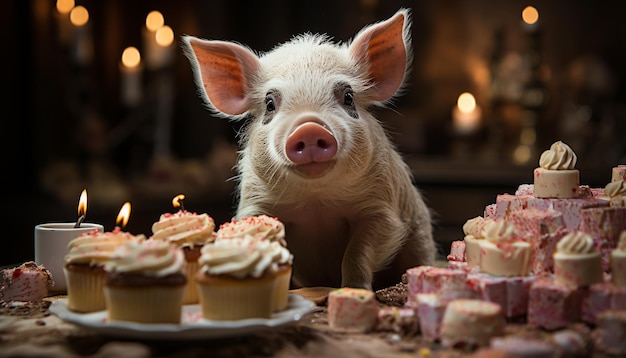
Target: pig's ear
[
  {"x": 223, "y": 72},
  {"x": 384, "y": 50}
]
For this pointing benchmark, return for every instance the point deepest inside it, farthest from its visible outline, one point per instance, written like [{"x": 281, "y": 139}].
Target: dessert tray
[{"x": 192, "y": 325}]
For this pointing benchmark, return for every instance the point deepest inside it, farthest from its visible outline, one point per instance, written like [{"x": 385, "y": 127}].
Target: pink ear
[
  {"x": 223, "y": 70},
  {"x": 383, "y": 49}
]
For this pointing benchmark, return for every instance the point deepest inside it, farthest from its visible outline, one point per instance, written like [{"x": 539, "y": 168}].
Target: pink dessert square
[
  {"x": 553, "y": 305},
  {"x": 570, "y": 208},
  {"x": 27, "y": 282}
]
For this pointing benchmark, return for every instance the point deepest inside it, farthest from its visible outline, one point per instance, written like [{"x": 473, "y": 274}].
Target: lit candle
[
  {"x": 82, "y": 44},
  {"x": 51, "y": 240},
  {"x": 530, "y": 19},
  {"x": 466, "y": 115},
  {"x": 158, "y": 40},
  {"x": 177, "y": 201},
  {"x": 64, "y": 26},
  {"x": 131, "y": 76},
  {"x": 123, "y": 216}
]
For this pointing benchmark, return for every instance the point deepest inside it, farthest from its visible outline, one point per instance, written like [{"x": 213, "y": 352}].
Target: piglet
[{"x": 315, "y": 158}]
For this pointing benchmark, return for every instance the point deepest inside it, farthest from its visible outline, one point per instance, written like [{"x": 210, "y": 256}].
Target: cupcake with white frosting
[
  {"x": 265, "y": 228},
  {"x": 236, "y": 280},
  {"x": 84, "y": 267},
  {"x": 618, "y": 262},
  {"x": 556, "y": 176},
  {"x": 473, "y": 230},
  {"x": 145, "y": 283},
  {"x": 577, "y": 260},
  {"x": 189, "y": 231},
  {"x": 616, "y": 193}
]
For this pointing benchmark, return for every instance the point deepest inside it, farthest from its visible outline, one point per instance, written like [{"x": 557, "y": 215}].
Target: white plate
[{"x": 192, "y": 326}]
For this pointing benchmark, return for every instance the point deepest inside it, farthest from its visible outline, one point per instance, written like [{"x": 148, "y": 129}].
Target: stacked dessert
[{"x": 551, "y": 255}]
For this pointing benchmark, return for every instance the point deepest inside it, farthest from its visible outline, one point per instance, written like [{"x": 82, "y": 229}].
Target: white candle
[
  {"x": 530, "y": 19},
  {"x": 466, "y": 115},
  {"x": 131, "y": 76},
  {"x": 158, "y": 40},
  {"x": 82, "y": 42},
  {"x": 64, "y": 26}
]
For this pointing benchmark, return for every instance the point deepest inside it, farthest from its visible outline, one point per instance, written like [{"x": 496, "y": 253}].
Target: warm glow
[
  {"x": 82, "y": 203},
  {"x": 65, "y": 6},
  {"x": 165, "y": 36},
  {"x": 466, "y": 102},
  {"x": 530, "y": 15},
  {"x": 131, "y": 57},
  {"x": 79, "y": 16},
  {"x": 124, "y": 215},
  {"x": 177, "y": 199},
  {"x": 154, "y": 20}
]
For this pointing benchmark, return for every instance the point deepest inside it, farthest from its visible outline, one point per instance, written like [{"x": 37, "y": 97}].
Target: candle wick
[
  {"x": 182, "y": 206},
  {"x": 79, "y": 221}
]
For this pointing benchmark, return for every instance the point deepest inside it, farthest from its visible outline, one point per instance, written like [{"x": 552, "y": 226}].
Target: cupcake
[
  {"x": 235, "y": 280},
  {"x": 188, "y": 231},
  {"x": 84, "y": 267},
  {"x": 577, "y": 261},
  {"x": 145, "y": 283},
  {"x": 265, "y": 228},
  {"x": 618, "y": 262}
]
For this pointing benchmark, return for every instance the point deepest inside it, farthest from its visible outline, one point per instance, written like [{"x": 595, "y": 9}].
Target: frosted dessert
[
  {"x": 502, "y": 252},
  {"x": 577, "y": 261},
  {"x": 84, "y": 267},
  {"x": 556, "y": 176},
  {"x": 618, "y": 262},
  {"x": 352, "y": 310},
  {"x": 26, "y": 282},
  {"x": 145, "y": 283},
  {"x": 473, "y": 230},
  {"x": 236, "y": 279},
  {"x": 616, "y": 193},
  {"x": 472, "y": 322},
  {"x": 188, "y": 231},
  {"x": 261, "y": 227}
]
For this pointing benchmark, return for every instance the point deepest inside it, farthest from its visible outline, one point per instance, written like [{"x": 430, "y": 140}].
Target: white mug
[{"x": 51, "y": 241}]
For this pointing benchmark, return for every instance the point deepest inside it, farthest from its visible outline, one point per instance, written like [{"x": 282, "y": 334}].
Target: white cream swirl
[
  {"x": 615, "y": 189},
  {"x": 95, "y": 248},
  {"x": 475, "y": 226},
  {"x": 150, "y": 257},
  {"x": 241, "y": 257},
  {"x": 576, "y": 243},
  {"x": 559, "y": 157},
  {"x": 184, "y": 228},
  {"x": 262, "y": 227},
  {"x": 500, "y": 231}
]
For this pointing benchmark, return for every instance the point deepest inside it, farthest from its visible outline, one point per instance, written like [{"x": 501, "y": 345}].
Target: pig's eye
[
  {"x": 270, "y": 105},
  {"x": 348, "y": 98}
]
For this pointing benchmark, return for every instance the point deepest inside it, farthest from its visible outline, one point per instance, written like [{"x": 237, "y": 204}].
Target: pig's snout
[{"x": 312, "y": 148}]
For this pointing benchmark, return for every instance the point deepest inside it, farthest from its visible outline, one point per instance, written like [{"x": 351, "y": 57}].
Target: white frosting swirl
[
  {"x": 559, "y": 157},
  {"x": 474, "y": 227},
  {"x": 151, "y": 257},
  {"x": 261, "y": 227},
  {"x": 95, "y": 248},
  {"x": 242, "y": 257},
  {"x": 615, "y": 189},
  {"x": 576, "y": 243},
  {"x": 500, "y": 231},
  {"x": 184, "y": 228}
]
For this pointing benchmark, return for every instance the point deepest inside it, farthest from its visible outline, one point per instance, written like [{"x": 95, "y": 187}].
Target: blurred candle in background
[
  {"x": 131, "y": 76},
  {"x": 158, "y": 39},
  {"x": 64, "y": 26},
  {"x": 466, "y": 115},
  {"x": 530, "y": 19},
  {"x": 82, "y": 41}
]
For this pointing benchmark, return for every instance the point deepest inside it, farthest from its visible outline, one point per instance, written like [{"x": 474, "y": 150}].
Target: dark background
[{"x": 64, "y": 127}]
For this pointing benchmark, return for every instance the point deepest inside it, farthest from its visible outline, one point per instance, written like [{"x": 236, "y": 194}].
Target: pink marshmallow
[
  {"x": 553, "y": 305},
  {"x": 27, "y": 282}
]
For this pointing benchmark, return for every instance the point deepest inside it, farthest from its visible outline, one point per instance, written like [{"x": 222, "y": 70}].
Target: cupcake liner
[
  {"x": 85, "y": 290},
  {"x": 223, "y": 298},
  {"x": 281, "y": 290},
  {"x": 155, "y": 304},
  {"x": 191, "y": 291}
]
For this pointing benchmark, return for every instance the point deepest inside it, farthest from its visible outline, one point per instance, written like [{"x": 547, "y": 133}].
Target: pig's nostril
[
  {"x": 322, "y": 144},
  {"x": 300, "y": 146}
]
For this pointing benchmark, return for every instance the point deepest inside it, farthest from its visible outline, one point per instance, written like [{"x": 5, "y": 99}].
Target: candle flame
[
  {"x": 176, "y": 200},
  {"x": 154, "y": 20},
  {"x": 131, "y": 57},
  {"x": 65, "y": 6},
  {"x": 124, "y": 215},
  {"x": 530, "y": 15},
  {"x": 79, "y": 16},
  {"x": 82, "y": 203},
  {"x": 165, "y": 36},
  {"x": 466, "y": 102}
]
